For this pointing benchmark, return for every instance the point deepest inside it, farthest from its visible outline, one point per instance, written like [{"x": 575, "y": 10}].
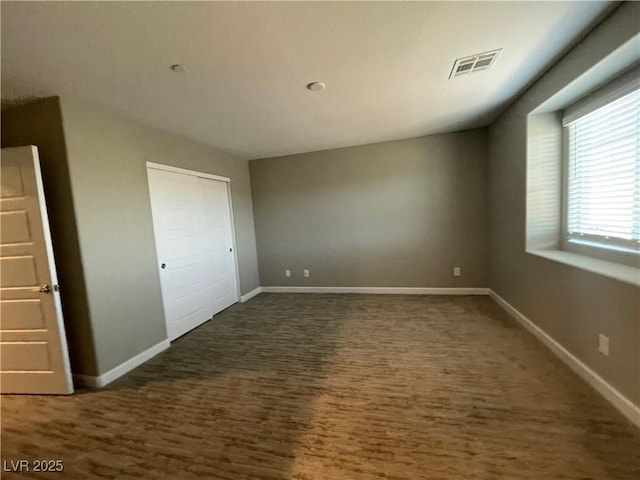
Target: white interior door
[
  {"x": 194, "y": 243},
  {"x": 216, "y": 232},
  {"x": 33, "y": 346}
]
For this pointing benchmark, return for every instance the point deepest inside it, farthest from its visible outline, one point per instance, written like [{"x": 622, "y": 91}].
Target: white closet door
[
  {"x": 217, "y": 244},
  {"x": 194, "y": 247}
]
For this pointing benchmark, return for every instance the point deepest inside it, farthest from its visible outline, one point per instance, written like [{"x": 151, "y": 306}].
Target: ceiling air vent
[{"x": 474, "y": 63}]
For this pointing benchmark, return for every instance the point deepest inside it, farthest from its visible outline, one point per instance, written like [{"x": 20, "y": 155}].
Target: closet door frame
[{"x": 227, "y": 180}]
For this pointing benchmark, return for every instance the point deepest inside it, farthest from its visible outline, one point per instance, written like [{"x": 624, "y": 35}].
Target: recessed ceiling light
[
  {"x": 315, "y": 86},
  {"x": 179, "y": 68}
]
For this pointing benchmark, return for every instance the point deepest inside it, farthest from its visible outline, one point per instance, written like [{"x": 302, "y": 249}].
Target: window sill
[
  {"x": 616, "y": 271},
  {"x": 604, "y": 246}
]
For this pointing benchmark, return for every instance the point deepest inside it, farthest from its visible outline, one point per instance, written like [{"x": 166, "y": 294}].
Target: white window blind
[{"x": 603, "y": 198}]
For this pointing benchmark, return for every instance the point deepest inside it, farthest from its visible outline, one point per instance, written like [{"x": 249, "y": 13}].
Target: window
[
  {"x": 583, "y": 173},
  {"x": 602, "y": 199}
]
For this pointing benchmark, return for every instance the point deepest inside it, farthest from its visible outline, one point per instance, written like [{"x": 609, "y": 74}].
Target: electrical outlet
[
  {"x": 456, "y": 271},
  {"x": 287, "y": 273},
  {"x": 603, "y": 344},
  {"x": 306, "y": 272}
]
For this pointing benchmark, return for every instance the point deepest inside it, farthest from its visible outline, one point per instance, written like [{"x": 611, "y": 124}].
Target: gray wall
[
  {"x": 570, "y": 304},
  {"x": 94, "y": 171},
  {"x": 107, "y": 157},
  {"x": 393, "y": 214},
  {"x": 40, "y": 124}
]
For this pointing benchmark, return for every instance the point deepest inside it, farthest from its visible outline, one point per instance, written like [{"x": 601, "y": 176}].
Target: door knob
[{"x": 45, "y": 289}]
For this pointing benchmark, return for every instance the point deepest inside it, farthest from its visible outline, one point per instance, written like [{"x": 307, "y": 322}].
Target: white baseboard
[
  {"x": 120, "y": 370},
  {"x": 380, "y": 290},
  {"x": 250, "y": 295},
  {"x": 617, "y": 399}
]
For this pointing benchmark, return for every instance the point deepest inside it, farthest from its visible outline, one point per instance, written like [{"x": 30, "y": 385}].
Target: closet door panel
[{"x": 194, "y": 240}]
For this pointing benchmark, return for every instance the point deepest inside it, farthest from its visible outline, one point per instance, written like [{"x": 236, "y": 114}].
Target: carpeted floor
[{"x": 336, "y": 387}]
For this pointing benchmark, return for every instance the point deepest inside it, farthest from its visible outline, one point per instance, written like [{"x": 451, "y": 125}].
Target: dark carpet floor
[{"x": 335, "y": 387}]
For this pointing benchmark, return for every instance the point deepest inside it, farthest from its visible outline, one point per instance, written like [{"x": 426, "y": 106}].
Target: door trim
[
  {"x": 193, "y": 173},
  {"x": 227, "y": 180},
  {"x": 48, "y": 244}
]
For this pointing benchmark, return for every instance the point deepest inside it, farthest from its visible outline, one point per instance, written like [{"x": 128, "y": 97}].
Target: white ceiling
[{"x": 386, "y": 64}]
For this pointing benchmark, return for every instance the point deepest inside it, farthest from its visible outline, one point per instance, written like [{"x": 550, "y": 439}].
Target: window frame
[{"x": 592, "y": 245}]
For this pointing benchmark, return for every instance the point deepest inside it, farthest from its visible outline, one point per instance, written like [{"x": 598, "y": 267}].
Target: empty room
[{"x": 320, "y": 240}]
